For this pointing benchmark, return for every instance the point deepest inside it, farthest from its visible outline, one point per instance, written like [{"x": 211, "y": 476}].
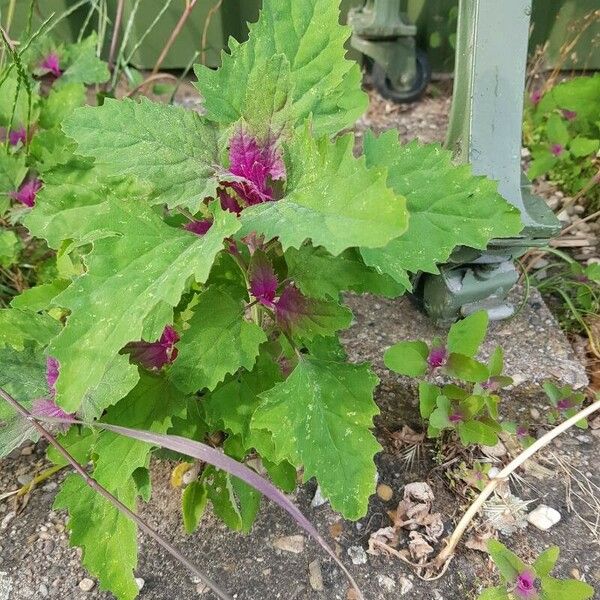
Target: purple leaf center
[
  {"x": 51, "y": 64},
  {"x": 27, "y": 192},
  {"x": 437, "y": 357},
  {"x": 263, "y": 283},
  {"x": 199, "y": 227},
  {"x": 557, "y": 149},
  {"x": 569, "y": 115},
  {"x": 525, "y": 585},
  {"x": 155, "y": 355}
]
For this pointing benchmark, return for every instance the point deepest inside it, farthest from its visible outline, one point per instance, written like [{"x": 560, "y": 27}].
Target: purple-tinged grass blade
[{"x": 209, "y": 455}]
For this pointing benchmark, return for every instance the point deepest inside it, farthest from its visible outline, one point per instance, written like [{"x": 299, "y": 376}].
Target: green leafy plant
[
  {"x": 562, "y": 130},
  {"x": 565, "y": 403},
  {"x": 574, "y": 290},
  {"x": 468, "y": 407},
  {"x": 531, "y": 582},
  {"x": 208, "y": 256}
]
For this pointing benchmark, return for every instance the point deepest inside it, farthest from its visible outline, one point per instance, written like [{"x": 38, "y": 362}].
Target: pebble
[
  {"x": 290, "y": 543},
  {"x": 43, "y": 590},
  {"x": 497, "y": 451},
  {"x": 87, "y": 584},
  {"x": 543, "y": 517},
  {"x": 140, "y": 582},
  {"x": 535, "y": 413},
  {"x": 318, "y": 498},
  {"x": 202, "y": 588},
  {"x": 385, "y": 492},
  {"x": 25, "y": 479},
  {"x": 315, "y": 576},
  {"x": 358, "y": 555},
  {"x": 48, "y": 547},
  {"x": 27, "y": 451},
  {"x": 387, "y": 583},
  {"x": 406, "y": 585}
]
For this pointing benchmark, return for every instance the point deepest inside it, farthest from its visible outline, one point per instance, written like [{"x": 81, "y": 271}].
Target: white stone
[
  {"x": 405, "y": 585},
  {"x": 318, "y": 498},
  {"x": 358, "y": 555},
  {"x": 315, "y": 576},
  {"x": 87, "y": 585},
  {"x": 140, "y": 582},
  {"x": 543, "y": 517},
  {"x": 290, "y": 543},
  {"x": 387, "y": 583}
]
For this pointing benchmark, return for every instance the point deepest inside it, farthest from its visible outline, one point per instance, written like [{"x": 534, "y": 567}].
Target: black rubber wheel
[{"x": 384, "y": 86}]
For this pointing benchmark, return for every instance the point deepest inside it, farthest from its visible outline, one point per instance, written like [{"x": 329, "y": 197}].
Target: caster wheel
[{"x": 384, "y": 86}]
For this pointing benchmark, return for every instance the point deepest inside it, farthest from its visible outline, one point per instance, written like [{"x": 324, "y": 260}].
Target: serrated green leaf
[
  {"x": 466, "y": 368},
  {"x": 218, "y": 342},
  {"x": 60, "y": 103},
  {"x": 543, "y": 161},
  {"x": 233, "y": 403},
  {"x": 311, "y": 318},
  {"x": 83, "y": 64},
  {"x": 407, "y": 358},
  {"x": 320, "y": 275},
  {"x": 320, "y": 417},
  {"x": 172, "y": 149},
  {"x": 476, "y": 432},
  {"x": 428, "y": 395},
  {"x": 546, "y": 561},
  {"x": 331, "y": 198},
  {"x": 109, "y": 539},
  {"x": 23, "y": 375},
  {"x": 556, "y": 130},
  {"x": 40, "y": 297},
  {"x": 448, "y": 206},
  {"x": 9, "y": 247},
  {"x": 193, "y": 503},
  {"x": 51, "y": 148},
  {"x": 12, "y": 172},
  {"x": 582, "y": 146},
  {"x": 465, "y": 336},
  {"x": 570, "y": 589},
  {"x": 294, "y": 63},
  {"x": 508, "y": 563},
  {"x": 77, "y": 441},
  {"x": 127, "y": 277},
  {"x": 497, "y": 593},
  {"x": 20, "y": 326}
]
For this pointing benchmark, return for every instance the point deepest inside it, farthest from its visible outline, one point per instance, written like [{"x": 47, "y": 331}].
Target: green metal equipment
[
  {"x": 382, "y": 33},
  {"x": 485, "y": 131}
]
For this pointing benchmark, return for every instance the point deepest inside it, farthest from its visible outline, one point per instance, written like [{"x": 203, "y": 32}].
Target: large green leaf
[
  {"x": 292, "y": 66},
  {"x": 570, "y": 589},
  {"x": 23, "y": 375},
  {"x": 218, "y": 342},
  {"x": 83, "y": 64},
  {"x": 20, "y": 326},
  {"x": 448, "y": 206},
  {"x": 172, "y": 149},
  {"x": 320, "y": 275},
  {"x": 144, "y": 264},
  {"x": 465, "y": 336},
  {"x": 60, "y": 103},
  {"x": 109, "y": 539},
  {"x": 331, "y": 198},
  {"x": 320, "y": 417},
  {"x": 12, "y": 172}
]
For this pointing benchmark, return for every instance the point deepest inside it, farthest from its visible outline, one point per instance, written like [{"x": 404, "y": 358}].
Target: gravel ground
[{"x": 36, "y": 562}]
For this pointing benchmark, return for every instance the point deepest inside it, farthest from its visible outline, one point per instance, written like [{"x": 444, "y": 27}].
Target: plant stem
[
  {"x": 80, "y": 470},
  {"x": 189, "y": 7},
  {"x": 207, "y": 23},
  {"x": 447, "y": 553},
  {"x": 115, "y": 35}
]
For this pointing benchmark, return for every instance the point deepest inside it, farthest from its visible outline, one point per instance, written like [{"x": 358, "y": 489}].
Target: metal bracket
[{"x": 485, "y": 131}]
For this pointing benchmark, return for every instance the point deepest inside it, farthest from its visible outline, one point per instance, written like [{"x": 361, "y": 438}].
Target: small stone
[
  {"x": 385, "y": 492},
  {"x": 50, "y": 486},
  {"x": 497, "y": 451},
  {"x": 290, "y": 543},
  {"x": 140, "y": 582},
  {"x": 575, "y": 573},
  {"x": 535, "y": 413},
  {"x": 87, "y": 585},
  {"x": 25, "y": 479},
  {"x": 318, "y": 498},
  {"x": 315, "y": 576},
  {"x": 387, "y": 583},
  {"x": 543, "y": 517},
  {"x": 43, "y": 590},
  {"x": 48, "y": 547},
  {"x": 405, "y": 585},
  {"x": 358, "y": 555},
  {"x": 27, "y": 451},
  {"x": 202, "y": 588}
]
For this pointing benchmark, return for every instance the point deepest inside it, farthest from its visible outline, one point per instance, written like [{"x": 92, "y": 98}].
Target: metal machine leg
[{"x": 485, "y": 131}]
